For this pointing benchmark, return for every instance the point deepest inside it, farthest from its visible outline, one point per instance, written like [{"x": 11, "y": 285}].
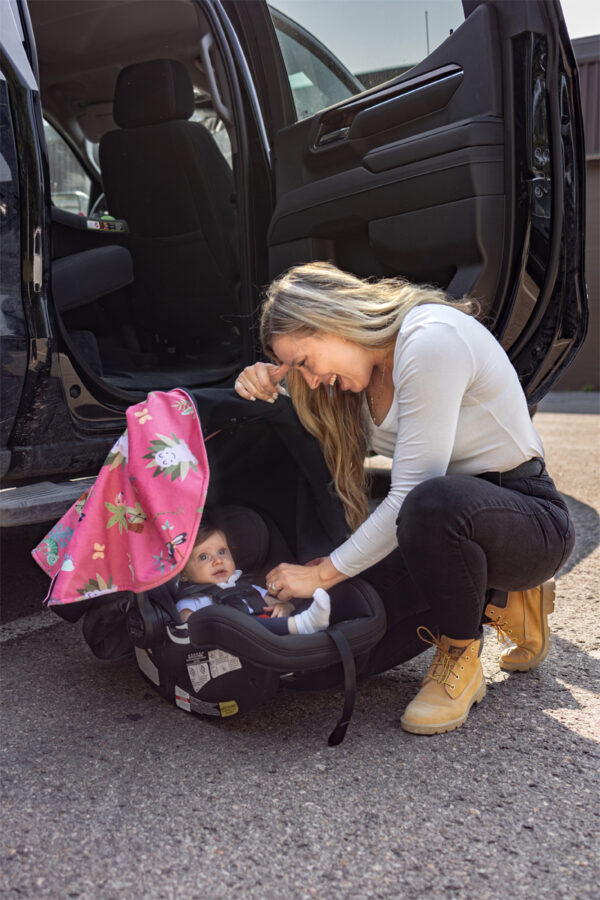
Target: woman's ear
[{"x": 183, "y": 577}]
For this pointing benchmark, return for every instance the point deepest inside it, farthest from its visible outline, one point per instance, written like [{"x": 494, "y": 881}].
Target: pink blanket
[{"x": 134, "y": 528}]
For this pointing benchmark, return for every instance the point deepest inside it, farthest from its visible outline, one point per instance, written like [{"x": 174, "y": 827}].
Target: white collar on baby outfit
[{"x": 231, "y": 581}]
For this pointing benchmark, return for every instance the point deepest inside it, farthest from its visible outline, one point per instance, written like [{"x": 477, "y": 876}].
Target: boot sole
[
  {"x": 441, "y": 728},
  {"x": 547, "y": 603}
]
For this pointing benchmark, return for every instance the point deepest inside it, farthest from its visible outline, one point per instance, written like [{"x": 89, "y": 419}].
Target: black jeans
[{"x": 460, "y": 537}]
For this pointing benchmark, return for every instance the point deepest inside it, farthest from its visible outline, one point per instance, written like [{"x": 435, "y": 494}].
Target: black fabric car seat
[{"x": 168, "y": 179}]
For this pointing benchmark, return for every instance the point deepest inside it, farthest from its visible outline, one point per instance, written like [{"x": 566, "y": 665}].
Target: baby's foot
[{"x": 316, "y": 617}]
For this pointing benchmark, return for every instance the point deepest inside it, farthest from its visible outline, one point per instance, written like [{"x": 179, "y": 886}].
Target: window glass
[
  {"x": 207, "y": 116},
  {"x": 316, "y": 77},
  {"x": 333, "y": 49},
  {"x": 70, "y": 186}
]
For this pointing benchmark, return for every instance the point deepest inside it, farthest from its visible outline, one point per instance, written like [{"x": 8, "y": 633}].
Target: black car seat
[{"x": 168, "y": 179}]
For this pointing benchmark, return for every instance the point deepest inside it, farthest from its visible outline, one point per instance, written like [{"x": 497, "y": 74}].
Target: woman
[{"x": 399, "y": 369}]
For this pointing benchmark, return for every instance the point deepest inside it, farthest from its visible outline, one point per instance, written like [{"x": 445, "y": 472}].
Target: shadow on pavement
[{"x": 587, "y": 538}]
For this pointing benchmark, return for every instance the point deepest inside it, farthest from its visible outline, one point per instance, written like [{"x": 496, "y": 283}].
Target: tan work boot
[
  {"x": 454, "y": 682},
  {"x": 524, "y": 622}
]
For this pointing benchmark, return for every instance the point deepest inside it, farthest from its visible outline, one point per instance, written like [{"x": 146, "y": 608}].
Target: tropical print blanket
[{"x": 134, "y": 528}]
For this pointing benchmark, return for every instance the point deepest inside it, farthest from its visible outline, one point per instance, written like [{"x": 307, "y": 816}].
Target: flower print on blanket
[
  {"x": 170, "y": 456},
  {"x": 111, "y": 539}
]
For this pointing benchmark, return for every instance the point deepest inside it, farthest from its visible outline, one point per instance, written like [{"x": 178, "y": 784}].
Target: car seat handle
[{"x": 339, "y": 732}]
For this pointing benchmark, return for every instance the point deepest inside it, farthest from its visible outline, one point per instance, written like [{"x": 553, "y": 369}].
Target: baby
[{"x": 210, "y": 576}]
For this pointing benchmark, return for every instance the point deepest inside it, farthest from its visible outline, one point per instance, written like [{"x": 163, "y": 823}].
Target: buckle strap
[{"x": 339, "y": 732}]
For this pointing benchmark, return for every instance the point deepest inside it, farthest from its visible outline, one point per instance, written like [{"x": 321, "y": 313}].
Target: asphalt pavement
[{"x": 110, "y": 792}]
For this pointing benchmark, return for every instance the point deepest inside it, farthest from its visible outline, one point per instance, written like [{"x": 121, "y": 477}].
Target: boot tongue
[{"x": 454, "y": 651}]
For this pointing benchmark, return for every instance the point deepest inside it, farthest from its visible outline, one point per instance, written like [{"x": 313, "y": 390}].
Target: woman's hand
[
  {"x": 261, "y": 381},
  {"x": 286, "y": 580}
]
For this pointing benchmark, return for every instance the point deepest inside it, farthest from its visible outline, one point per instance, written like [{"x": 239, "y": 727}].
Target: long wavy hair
[{"x": 318, "y": 296}]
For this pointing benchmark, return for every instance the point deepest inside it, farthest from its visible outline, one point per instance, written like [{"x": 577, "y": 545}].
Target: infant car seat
[
  {"x": 222, "y": 661},
  {"x": 113, "y": 557}
]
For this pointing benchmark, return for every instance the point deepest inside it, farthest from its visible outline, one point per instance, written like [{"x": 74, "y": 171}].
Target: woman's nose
[{"x": 312, "y": 381}]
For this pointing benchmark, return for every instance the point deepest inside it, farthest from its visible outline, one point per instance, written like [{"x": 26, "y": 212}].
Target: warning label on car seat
[
  {"x": 198, "y": 670},
  {"x": 222, "y": 662}
]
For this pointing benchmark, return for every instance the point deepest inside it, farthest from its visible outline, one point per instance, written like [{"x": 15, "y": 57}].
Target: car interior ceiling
[{"x": 155, "y": 305}]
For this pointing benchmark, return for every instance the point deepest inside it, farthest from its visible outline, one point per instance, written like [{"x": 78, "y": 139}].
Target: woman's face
[{"x": 325, "y": 358}]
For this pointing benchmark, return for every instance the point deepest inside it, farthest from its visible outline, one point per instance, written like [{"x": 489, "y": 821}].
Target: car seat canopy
[{"x": 133, "y": 529}]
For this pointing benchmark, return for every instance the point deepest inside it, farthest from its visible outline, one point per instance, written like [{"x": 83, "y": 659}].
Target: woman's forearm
[{"x": 328, "y": 574}]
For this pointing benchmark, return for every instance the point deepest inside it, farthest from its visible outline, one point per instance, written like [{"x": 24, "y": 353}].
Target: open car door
[{"x": 466, "y": 171}]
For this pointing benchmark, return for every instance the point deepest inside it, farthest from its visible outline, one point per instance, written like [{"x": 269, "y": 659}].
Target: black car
[{"x": 210, "y": 145}]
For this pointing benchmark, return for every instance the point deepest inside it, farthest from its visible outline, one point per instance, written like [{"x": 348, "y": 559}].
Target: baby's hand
[{"x": 280, "y": 609}]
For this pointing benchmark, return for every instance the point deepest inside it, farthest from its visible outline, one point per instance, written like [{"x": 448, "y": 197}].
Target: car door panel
[
  {"x": 433, "y": 143},
  {"x": 363, "y": 195},
  {"x": 435, "y": 245},
  {"x": 394, "y": 159},
  {"x": 414, "y": 103},
  {"x": 468, "y": 171}
]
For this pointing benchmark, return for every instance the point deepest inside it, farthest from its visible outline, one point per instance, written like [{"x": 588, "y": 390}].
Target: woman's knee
[{"x": 430, "y": 507}]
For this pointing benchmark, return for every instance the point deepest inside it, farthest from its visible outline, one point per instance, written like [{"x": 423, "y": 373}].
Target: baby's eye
[
  {"x": 203, "y": 557},
  {"x": 223, "y": 551}
]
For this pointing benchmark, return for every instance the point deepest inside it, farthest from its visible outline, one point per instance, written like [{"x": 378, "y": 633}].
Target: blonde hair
[{"x": 318, "y": 296}]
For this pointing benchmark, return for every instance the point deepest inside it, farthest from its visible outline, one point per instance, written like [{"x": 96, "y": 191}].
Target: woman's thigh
[{"x": 522, "y": 538}]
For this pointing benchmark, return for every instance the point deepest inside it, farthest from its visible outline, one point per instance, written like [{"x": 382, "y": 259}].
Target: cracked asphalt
[{"x": 110, "y": 792}]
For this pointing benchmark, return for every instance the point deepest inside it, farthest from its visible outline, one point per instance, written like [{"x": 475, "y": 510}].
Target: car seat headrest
[
  {"x": 151, "y": 92},
  {"x": 247, "y": 534}
]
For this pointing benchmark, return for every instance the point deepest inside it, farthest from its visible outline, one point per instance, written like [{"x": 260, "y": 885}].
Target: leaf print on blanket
[
  {"x": 170, "y": 456},
  {"x": 96, "y": 586},
  {"x": 119, "y": 453},
  {"x": 129, "y": 518},
  {"x": 184, "y": 407}
]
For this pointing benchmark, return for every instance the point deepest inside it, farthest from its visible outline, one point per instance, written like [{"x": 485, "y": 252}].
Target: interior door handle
[
  {"x": 340, "y": 134},
  {"x": 206, "y": 46}
]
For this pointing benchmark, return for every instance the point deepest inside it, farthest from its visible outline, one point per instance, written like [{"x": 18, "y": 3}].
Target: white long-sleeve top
[{"x": 458, "y": 408}]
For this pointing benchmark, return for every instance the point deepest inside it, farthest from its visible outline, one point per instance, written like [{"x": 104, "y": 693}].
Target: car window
[
  {"x": 333, "y": 49},
  {"x": 317, "y": 79},
  {"x": 70, "y": 186},
  {"x": 207, "y": 116}
]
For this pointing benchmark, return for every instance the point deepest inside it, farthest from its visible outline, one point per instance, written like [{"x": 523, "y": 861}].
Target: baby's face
[{"x": 211, "y": 561}]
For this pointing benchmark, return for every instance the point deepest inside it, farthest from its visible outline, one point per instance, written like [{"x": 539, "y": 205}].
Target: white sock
[{"x": 316, "y": 617}]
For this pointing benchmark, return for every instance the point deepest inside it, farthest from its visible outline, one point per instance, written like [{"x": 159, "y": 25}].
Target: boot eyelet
[{"x": 451, "y": 686}]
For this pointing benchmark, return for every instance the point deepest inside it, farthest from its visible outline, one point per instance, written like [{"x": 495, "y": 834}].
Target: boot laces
[
  {"x": 443, "y": 664},
  {"x": 502, "y": 630}
]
